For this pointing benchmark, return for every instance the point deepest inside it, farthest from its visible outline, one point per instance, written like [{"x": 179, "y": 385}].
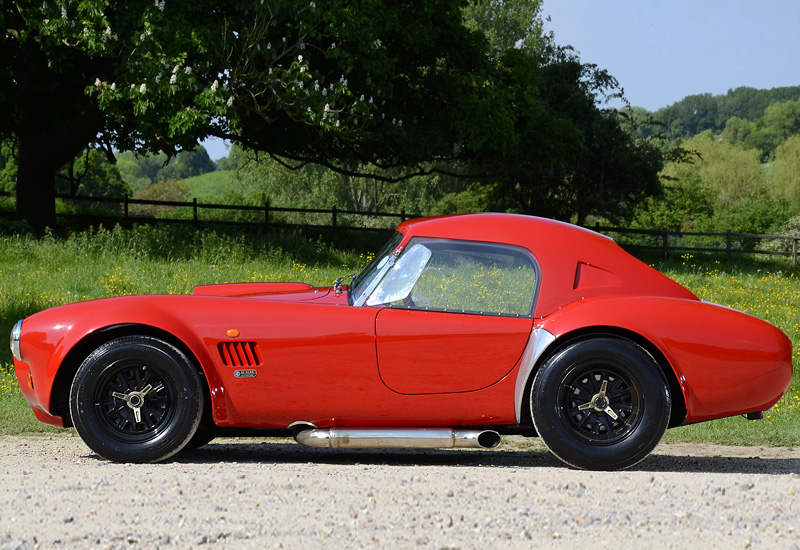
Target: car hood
[{"x": 283, "y": 292}]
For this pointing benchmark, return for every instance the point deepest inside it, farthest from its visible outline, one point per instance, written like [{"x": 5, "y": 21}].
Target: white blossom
[
  {"x": 316, "y": 85},
  {"x": 63, "y": 13},
  {"x": 302, "y": 45},
  {"x": 113, "y": 86},
  {"x": 400, "y": 122},
  {"x": 160, "y": 5},
  {"x": 175, "y": 69},
  {"x": 333, "y": 46},
  {"x": 327, "y": 107},
  {"x": 97, "y": 82},
  {"x": 188, "y": 70},
  {"x": 302, "y": 69},
  {"x": 361, "y": 98},
  {"x": 158, "y": 77},
  {"x": 230, "y": 101},
  {"x": 143, "y": 88},
  {"x": 325, "y": 92},
  {"x": 269, "y": 45},
  {"x": 107, "y": 32},
  {"x": 299, "y": 58},
  {"x": 312, "y": 5},
  {"x": 215, "y": 86},
  {"x": 173, "y": 79}
]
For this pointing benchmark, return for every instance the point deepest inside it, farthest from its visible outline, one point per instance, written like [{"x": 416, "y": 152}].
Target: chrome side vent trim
[{"x": 239, "y": 354}]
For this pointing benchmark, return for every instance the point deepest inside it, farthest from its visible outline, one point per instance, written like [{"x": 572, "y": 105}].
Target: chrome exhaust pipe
[{"x": 398, "y": 438}]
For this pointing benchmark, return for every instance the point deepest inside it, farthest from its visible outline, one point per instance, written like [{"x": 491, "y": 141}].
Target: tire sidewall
[
  {"x": 628, "y": 360},
  {"x": 180, "y": 378}
]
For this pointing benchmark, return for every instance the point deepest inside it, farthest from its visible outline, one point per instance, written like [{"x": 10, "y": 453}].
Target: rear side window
[{"x": 460, "y": 276}]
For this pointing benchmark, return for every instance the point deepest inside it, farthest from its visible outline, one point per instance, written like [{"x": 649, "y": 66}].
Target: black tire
[
  {"x": 573, "y": 391},
  {"x": 136, "y": 372}
]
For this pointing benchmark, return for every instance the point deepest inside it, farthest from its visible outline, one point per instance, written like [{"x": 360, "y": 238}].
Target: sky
[{"x": 660, "y": 51}]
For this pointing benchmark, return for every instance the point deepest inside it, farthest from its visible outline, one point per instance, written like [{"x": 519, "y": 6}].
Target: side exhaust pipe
[{"x": 398, "y": 438}]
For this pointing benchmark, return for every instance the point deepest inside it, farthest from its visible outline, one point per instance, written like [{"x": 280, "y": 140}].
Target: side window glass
[{"x": 460, "y": 276}]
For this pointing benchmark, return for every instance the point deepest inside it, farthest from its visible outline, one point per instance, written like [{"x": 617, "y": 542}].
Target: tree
[
  {"x": 786, "y": 170},
  {"x": 572, "y": 158},
  {"x": 507, "y": 24},
  {"x": 340, "y": 83},
  {"x": 91, "y": 175}
]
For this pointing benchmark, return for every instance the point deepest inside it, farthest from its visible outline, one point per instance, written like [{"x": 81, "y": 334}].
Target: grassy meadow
[{"x": 39, "y": 273}]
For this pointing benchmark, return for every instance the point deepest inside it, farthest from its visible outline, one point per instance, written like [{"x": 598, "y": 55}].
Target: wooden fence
[{"x": 659, "y": 240}]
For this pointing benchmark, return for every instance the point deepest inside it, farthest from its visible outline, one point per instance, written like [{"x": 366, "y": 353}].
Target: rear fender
[{"x": 715, "y": 354}]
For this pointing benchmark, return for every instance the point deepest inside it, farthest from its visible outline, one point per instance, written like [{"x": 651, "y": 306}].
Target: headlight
[{"x": 16, "y": 334}]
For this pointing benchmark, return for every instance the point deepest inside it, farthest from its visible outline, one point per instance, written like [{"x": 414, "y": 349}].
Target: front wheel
[
  {"x": 600, "y": 404},
  {"x": 136, "y": 399}
]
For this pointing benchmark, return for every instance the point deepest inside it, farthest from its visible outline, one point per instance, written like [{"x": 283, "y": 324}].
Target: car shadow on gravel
[{"x": 287, "y": 453}]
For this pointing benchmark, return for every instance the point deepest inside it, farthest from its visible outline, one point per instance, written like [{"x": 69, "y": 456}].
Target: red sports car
[{"x": 462, "y": 328}]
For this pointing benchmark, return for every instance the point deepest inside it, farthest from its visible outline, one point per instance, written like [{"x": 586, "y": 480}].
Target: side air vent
[{"x": 239, "y": 354}]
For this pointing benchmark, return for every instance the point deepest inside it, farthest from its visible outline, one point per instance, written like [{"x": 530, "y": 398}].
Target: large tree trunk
[{"x": 55, "y": 121}]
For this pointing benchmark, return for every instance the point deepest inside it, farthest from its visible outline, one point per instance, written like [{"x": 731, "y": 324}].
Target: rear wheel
[
  {"x": 136, "y": 399},
  {"x": 600, "y": 404}
]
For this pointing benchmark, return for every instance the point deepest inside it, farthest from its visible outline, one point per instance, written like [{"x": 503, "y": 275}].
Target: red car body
[{"x": 281, "y": 355}]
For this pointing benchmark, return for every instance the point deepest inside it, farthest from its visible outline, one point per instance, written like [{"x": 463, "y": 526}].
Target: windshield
[{"x": 363, "y": 284}]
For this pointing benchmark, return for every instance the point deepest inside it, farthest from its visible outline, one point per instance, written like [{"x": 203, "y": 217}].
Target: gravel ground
[{"x": 261, "y": 493}]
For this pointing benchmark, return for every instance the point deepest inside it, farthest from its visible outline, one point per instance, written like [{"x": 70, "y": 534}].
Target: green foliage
[
  {"x": 507, "y": 24},
  {"x": 90, "y": 174},
  {"x": 720, "y": 187},
  {"x": 682, "y": 203},
  {"x": 732, "y": 172},
  {"x": 165, "y": 190},
  {"x": 785, "y": 174},
  {"x": 697, "y": 113},
  {"x": 8, "y": 166}
]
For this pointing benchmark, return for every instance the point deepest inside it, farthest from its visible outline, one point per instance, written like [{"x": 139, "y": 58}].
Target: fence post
[
  {"x": 125, "y": 205},
  {"x": 794, "y": 252},
  {"x": 333, "y": 211},
  {"x": 194, "y": 206},
  {"x": 266, "y": 212},
  {"x": 728, "y": 247},
  {"x": 665, "y": 241}
]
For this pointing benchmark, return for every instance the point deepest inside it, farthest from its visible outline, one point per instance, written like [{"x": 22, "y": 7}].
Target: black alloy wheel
[
  {"x": 136, "y": 399},
  {"x": 601, "y": 403}
]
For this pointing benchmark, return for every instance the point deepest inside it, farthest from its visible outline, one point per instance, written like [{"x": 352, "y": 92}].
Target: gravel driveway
[{"x": 259, "y": 493}]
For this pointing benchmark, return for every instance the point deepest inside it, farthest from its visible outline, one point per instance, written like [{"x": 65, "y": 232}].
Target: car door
[
  {"x": 455, "y": 317},
  {"x": 421, "y": 352}
]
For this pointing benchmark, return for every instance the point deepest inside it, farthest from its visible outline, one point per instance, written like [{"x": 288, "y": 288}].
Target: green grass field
[{"x": 39, "y": 273}]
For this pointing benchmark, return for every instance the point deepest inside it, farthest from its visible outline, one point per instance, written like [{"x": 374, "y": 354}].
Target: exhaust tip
[{"x": 489, "y": 439}]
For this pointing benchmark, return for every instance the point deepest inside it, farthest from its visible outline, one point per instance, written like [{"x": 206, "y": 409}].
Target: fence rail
[{"x": 659, "y": 240}]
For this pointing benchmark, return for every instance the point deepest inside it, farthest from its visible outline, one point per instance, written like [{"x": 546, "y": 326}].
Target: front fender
[
  {"x": 49, "y": 337},
  {"x": 725, "y": 361}
]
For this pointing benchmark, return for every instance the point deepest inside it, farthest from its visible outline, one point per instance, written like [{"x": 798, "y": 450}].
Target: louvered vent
[{"x": 239, "y": 354}]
